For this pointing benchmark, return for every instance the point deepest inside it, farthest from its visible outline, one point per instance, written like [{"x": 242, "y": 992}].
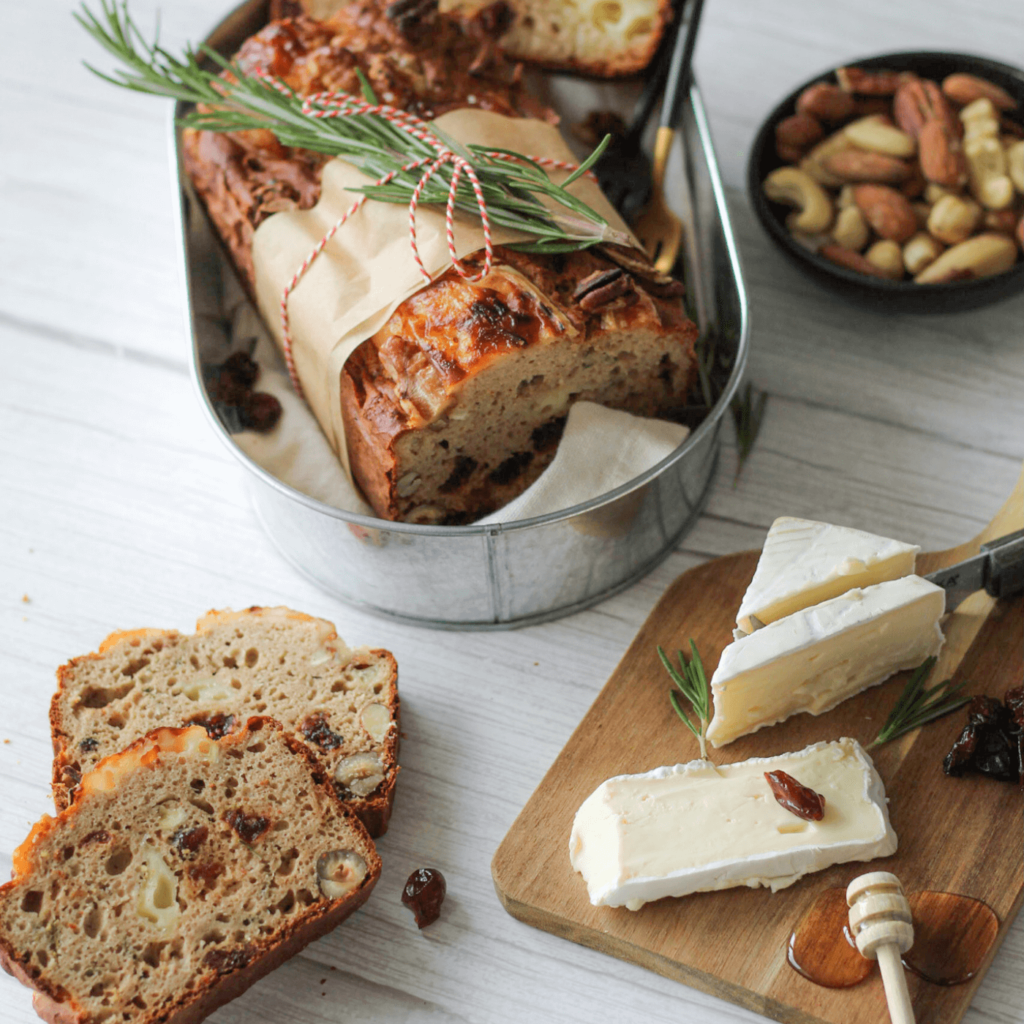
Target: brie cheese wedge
[
  {"x": 698, "y": 827},
  {"x": 804, "y": 563},
  {"x": 816, "y": 658}
]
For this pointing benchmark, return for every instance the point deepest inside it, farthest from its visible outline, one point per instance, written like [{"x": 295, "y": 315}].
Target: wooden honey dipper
[{"x": 881, "y": 923}]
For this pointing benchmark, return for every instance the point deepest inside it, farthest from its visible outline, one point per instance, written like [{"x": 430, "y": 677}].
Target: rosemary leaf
[
  {"x": 229, "y": 100},
  {"x": 918, "y": 706},
  {"x": 747, "y": 414},
  {"x": 692, "y": 682}
]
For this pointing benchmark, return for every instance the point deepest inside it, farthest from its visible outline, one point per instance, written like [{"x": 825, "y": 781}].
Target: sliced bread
[
  {"x": 185, "y": 869},
  {"x": 343, "y": 703},
  {"x": 604, "y": 38}
]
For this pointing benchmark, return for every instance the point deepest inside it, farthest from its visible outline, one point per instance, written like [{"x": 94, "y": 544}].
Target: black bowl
[{"x": 903, "y": 295}]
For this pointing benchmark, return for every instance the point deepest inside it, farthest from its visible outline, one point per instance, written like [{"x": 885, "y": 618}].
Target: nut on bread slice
[
  {"x": 292, "y": 667},
  {"x": 185, "y": 869}
]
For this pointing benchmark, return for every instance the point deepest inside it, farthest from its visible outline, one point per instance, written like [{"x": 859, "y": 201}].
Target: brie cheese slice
[
  {"x": 816, "y": 658},
  {"x": 698, "y": 827},
  {"x": 804, "y": 563}
]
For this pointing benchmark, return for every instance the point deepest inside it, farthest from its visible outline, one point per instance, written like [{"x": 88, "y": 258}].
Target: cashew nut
[
  {"x": 845, "y": 197},
  {"x": 953, "y": 219},
  {"x": 921, "y": 250},
  {"x": 887, "y": 256},
  {"x": 981, "y": 256},
  {"x": 879, "y": 137},
  {"x": 986, "y": 166},
  {"x": 851, "y": 230},
  {"x": 794, "y": 187}
]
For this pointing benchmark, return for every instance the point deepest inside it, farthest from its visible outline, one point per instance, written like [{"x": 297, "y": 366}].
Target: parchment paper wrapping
[{"x": 368, "y": 270}]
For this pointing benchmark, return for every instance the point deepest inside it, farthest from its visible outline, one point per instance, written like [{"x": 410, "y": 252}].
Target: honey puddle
[{"x": 952, "y": 937}]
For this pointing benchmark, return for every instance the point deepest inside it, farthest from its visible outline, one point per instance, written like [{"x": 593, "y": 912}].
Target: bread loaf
[
  {"x": 342, "y": 703},
  {"x": 185, "y": 869},
  {"x": 604, "y": 38},
  {"x": 456, "y": 405}
]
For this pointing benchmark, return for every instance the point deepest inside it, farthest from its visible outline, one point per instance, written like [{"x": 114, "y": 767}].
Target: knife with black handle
[{"x": 998, "y": 569}]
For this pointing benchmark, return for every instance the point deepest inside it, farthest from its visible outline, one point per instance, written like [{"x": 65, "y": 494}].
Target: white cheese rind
[
  {"x": 817, "y": 658},
  {"x": 805, "y": 562},
  {"x": 697, "y": 827}
]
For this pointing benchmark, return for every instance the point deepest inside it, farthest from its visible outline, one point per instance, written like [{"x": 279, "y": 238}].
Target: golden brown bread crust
[
  {"x": 374, "y": 811},
  {"x": 460, "y": 330},
  {"x": 230, "y": 975}
]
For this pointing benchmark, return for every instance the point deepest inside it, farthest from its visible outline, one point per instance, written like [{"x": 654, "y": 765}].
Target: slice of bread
[
  {"x": 185, "y": 869},
  {"x": 342, "y": 703},
  {"x": 604, "y": 38}
]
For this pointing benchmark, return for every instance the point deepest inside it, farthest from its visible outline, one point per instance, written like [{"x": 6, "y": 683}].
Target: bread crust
[
  {"x": 374, "y": 810},
  {"x": 238, "y": 972}
]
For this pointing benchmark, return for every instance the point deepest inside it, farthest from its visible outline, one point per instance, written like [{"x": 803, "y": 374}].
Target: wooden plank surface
[
  {"x": 955, "y": 835},
  {"x": 119, "y": 507}
]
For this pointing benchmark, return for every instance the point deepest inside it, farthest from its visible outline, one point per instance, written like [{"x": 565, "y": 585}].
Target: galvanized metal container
[{"x": 498, "y": 576}]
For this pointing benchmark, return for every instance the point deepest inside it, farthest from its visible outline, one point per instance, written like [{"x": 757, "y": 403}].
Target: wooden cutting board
[{"x": 958, "y": 835}]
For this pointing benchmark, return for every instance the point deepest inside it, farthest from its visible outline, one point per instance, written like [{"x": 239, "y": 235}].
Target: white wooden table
[{"x": 119, "y": 508}]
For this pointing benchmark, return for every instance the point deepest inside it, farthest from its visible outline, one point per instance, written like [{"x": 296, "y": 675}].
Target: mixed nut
[{"x": 893, "y": 175}]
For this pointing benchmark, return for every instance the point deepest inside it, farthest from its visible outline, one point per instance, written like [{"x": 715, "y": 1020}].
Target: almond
[
  {"x": 963, "y": 89},
  {"x": 850, "y": 259},
  {"x": 887, "y": 211},
  {"x": 941, "y": 154},
  {"x": 826, "y": 102},
  {"x": 797, "y": 134},
  {"x": 860, "y": 165}
]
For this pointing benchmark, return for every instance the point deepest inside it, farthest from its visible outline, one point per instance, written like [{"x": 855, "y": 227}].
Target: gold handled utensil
[{"x": 660, "y": 231}]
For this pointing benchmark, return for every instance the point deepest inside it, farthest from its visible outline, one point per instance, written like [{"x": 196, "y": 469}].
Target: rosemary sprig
[
  {"x": 692, "y": 682},
  {"x": 230, "y": 100},
  {"x": 918, "y": 706},
  {"x": 747, "y": 414}
]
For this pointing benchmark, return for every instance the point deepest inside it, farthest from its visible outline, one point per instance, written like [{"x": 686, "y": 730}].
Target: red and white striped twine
[{"x": 340, "y": 104}]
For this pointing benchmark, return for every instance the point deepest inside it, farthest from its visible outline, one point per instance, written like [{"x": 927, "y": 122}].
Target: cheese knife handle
[{"x": 1005, "y": 575}]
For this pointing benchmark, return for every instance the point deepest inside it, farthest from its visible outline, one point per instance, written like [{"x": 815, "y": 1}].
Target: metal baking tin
[{"x": 499, "y": 576}]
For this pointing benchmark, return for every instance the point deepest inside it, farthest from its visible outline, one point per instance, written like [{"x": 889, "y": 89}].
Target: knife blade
[{"x": 998, "y": 568}]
